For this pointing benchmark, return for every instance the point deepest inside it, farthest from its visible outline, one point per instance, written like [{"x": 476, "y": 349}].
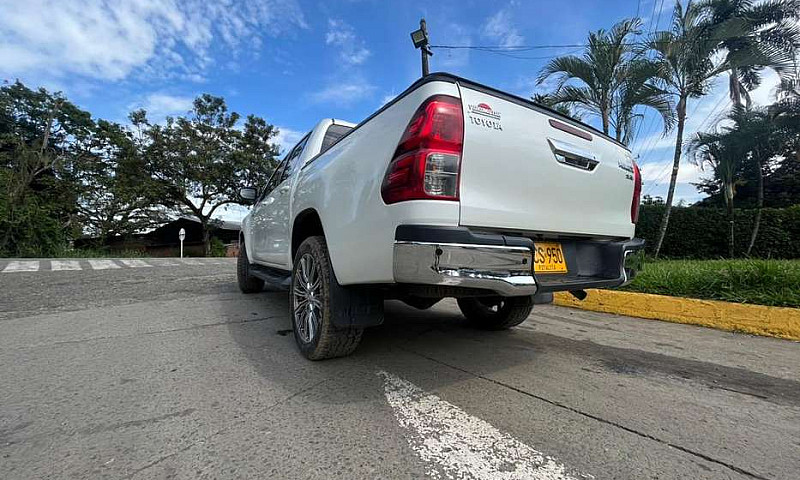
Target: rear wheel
[
  {"x": 496, "y": 313},
  {"x": 247, "y": 282},
  {"x": 311, "y": 306}
]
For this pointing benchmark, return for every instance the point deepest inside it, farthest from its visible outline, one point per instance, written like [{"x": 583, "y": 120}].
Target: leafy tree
[
  {"x": 202, "y": 160},
  {"x": 43, "y": 141},
  {"x": 609, "y": 80},
  {"x": 122, "y": 199}
]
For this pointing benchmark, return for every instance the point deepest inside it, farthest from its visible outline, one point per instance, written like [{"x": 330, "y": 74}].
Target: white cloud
[
  {"x": 344, "y": 93},
  {"x": 388, "y": 98},
  {"x": 500, "y": 27},
  {"x": 287, "y": 138},
  {"x": 161, "y": 105},
  {"x": 111, "y": 40},
  {"x": 351, "y": 49}
]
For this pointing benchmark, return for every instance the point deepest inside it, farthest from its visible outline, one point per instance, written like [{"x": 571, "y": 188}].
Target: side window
[
  {"x": 293, "y": 159},
  {"x": 274, "y": 179}
]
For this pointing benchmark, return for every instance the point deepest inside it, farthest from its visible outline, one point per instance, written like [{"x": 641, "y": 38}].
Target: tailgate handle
[{"x": 572, "y": 155}]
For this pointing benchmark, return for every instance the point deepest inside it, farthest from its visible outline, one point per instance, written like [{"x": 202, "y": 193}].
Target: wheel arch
[{"x": 306, "y": 224}]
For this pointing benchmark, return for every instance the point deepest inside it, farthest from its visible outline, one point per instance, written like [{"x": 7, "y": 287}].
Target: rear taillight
[
  {"x": 637, "y": 192},
  {"x": 427, "y": 160}
]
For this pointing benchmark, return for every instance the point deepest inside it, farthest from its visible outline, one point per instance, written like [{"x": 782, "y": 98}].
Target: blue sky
[{"x": 296, "y": 62}]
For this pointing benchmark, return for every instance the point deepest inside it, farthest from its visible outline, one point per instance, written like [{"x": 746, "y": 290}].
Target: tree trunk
[
  {"x": 735, "y": 88},
  {"x": 759, "y": 207},
  {"x": 206, "y": 238},
  {"x": 676, "y": 161},
  {"x": 731, "y": 220},
  {"x": 606, "y": 121}
]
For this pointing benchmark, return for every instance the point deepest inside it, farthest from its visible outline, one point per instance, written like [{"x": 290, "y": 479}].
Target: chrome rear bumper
[
  {"x": 457, "y": 257},
  {"x": 506, "y": 270}
]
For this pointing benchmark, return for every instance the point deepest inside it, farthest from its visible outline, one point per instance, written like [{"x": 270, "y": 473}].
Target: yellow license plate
[{"x": 548, "y": 257}]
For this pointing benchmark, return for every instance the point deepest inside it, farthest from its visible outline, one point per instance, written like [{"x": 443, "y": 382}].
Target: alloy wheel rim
[{"x": 307, "y": 298}]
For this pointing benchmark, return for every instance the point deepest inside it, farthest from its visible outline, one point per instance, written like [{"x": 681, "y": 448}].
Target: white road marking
[
  {"x": 168, "y": 263},
  {"x": 456, "y": 445},
  {"x": 191, "y": 262},
  {"x": 22, "y": 266},
  {"x": 65, "y": 265},
  {"x": 103, "y": 264},
  {"x": 135, "y": 263}
]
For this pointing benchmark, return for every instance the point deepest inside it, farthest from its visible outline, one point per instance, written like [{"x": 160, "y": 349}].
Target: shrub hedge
[{"x": 700, "y": 232}]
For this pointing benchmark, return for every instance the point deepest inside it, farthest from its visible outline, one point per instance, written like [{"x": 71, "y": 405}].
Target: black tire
[
  {"x": 247, "y": 282},
  {"x": 496, "y": 313},
  {"x": 316, "y": 335}
]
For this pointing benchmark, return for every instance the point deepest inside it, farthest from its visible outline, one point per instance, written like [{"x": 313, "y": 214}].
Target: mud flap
[{"x": 356, "y": 306}]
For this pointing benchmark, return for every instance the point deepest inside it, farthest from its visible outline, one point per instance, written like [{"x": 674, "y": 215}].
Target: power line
[
  {"x": 650, "y": 28},
  {"x": 660, "y": 9},
  {"x": 510, "y": 54},
  {"x": 662, "y": 174},
  {"x": 665, "y": 170},
  {"x": 522, "y": 48},
  {"x": 510, "y": 47}
]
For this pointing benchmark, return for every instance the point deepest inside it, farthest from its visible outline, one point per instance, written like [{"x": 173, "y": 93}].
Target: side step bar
[{"x": 277, "y": 278}]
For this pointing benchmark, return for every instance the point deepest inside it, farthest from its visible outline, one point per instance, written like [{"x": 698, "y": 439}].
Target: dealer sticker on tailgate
[{"x": 549, "y": 258}]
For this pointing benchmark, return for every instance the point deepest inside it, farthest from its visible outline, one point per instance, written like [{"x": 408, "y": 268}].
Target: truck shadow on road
[
  {"x": 436, "y": 344},
  {"x": 402, "y": 344}
]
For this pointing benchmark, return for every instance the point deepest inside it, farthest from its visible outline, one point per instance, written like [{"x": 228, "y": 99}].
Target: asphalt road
[{"x": 165, "y": 370}]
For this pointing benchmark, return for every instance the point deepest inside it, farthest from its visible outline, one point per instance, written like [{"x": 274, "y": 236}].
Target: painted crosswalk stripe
[
  {"x": 454, "y": 444},
  {"x": 22, "y": 266},
  {"x": 103, "y": 264},
  {"x": 164, "y": 262},
  {"x": 135, "y": 263},
  {"x": 65, "y": 265}
]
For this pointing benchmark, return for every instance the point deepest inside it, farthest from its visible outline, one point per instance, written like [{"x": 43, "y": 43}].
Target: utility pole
[
  {"x": 420, "y": 40},
  {"x": 424, "y": 50}
]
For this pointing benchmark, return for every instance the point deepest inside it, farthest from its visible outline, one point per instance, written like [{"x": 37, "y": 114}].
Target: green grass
[{"x": 762, "y": 282}]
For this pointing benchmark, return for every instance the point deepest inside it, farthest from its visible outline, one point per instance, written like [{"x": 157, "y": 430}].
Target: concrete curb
[{"x": 736, "y": 317}]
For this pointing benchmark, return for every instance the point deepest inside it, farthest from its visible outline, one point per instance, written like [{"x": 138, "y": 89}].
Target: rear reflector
[
  {"x": 637, "y": 193},
  {"x": 428, "y": 158}
]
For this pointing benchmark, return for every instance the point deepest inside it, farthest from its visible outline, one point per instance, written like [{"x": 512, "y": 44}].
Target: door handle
[
  {"x": 284, "y": 189},
  {"x": 573, "y": 155}
]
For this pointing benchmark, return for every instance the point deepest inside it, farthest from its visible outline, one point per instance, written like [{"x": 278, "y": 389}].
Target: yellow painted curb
[{"x": 756, "y": 319}]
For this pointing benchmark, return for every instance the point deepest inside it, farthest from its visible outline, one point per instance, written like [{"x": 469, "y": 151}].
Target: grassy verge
[{"x": 761, "y": 282}]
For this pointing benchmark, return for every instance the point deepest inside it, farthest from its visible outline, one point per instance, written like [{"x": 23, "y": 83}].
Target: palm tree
[
  {"x": 770, "y": 39},
  {"x": 721, "y": 152},
  {"x": 758, "y": 132},
  {"x": 562, "y": 108},
  {"x": 609, "y": 80},
  {"x": 785, "y": 113},
  {"x": 686, "y": 60},
  {"x": 639, "y": 88}
]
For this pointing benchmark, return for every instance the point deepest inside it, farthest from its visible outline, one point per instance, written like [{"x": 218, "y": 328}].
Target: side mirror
[{"x": 248, "y": 195}]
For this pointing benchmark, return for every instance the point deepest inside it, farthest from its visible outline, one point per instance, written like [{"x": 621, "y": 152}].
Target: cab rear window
[{"x": 333, "y": 134}]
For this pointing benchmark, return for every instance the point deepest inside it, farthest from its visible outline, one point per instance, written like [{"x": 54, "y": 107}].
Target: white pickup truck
[{"x": 453, "y": 189}]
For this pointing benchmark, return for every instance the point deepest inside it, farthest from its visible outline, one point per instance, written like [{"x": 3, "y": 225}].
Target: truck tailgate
[{"x": 524, "y": 169}]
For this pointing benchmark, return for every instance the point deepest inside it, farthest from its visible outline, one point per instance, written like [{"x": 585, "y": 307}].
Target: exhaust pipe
[{"x": 579, "y": 294}]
